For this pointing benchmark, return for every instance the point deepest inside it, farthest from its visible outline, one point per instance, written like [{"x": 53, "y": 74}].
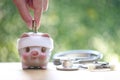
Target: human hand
[{"x": 38, "y": 6}]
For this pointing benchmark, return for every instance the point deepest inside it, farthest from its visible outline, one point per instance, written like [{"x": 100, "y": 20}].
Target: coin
[{"x": 34, "y": 27}]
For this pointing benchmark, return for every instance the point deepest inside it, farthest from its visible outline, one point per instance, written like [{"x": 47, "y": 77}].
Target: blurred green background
[{"x": 73, "y": 24}]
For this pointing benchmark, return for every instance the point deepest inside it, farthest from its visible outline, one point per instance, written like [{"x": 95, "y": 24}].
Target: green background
[{"x": 73, "y": 24}]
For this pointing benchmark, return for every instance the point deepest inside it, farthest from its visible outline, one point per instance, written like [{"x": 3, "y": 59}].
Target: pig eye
[
  {"x": 27, "y": 49},
  {"x": 43, "y": 49}
]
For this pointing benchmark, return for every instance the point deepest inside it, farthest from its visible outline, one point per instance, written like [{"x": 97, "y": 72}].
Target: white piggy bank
[{"x": 35, "y": 50}]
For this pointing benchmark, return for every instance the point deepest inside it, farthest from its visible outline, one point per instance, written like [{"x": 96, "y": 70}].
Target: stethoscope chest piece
[{"x": 67, "y": 65}]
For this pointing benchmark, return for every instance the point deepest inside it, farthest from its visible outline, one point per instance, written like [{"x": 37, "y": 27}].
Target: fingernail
[
  {"x": 38, "y": 24},
  {"x": 29, "y": 26}
]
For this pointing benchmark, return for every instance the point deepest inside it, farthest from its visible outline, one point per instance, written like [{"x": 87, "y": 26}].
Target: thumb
[{"x": 37, "y": 4}]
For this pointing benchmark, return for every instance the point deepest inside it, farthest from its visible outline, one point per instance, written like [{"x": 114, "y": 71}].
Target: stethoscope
[{"x": 73, "y": 59}]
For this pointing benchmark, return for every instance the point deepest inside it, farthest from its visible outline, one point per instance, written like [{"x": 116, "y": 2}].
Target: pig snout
[{"x": 34, "y": 53}]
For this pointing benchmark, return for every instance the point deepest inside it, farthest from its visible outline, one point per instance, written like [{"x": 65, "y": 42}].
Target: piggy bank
[{"x": 35, "y": 49}]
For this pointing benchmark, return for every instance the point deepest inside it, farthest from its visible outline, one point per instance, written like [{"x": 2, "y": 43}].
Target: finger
[
  {"x": 37, "y": 5},
  {"x": 45, "y": 5},
  {"x": 30, "y": 3},
  {"x": 24, "y": 12}
]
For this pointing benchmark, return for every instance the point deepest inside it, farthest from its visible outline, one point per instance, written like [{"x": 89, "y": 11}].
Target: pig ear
[
  {"x": 24, "y": 35},
  {"x": 45, "y": 35}
]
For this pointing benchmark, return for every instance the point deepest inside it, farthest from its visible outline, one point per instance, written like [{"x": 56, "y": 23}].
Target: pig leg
[
  {"x": 24, "y": 66},
  {"x": 44, "y": 66}
]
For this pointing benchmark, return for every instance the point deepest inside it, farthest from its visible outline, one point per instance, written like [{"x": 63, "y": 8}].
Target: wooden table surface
[{"x": 13, "y": 71}]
